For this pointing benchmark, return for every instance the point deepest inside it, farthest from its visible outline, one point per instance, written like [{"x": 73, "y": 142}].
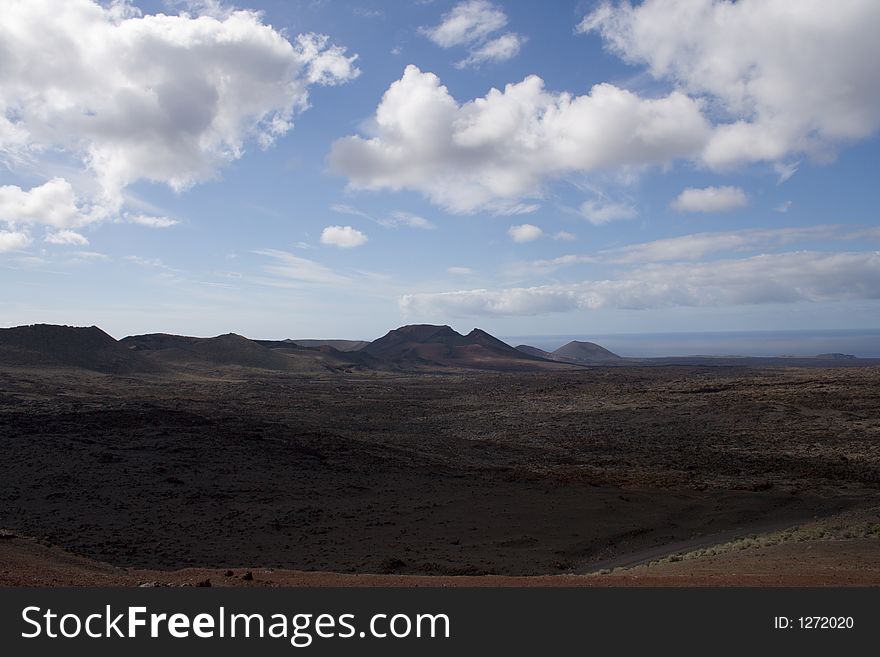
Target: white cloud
[
  {"x": 162, "y": 98},
  {"x": 398, "y": 219},
  {"x": 66, "y": 237},
  {"x": 344, "y": 237},
  {"x": 90, "y": 255},
  {"x": 553, "y": 264},
  {"x": 342, "y": 208},
  {"x": 326, "y": 64},
  {"x": 151, "y": 221},
  {"x": 472, "y": 23},
  {"x": 505, "y": 47},
  {"x": 779, "y": 278},
  {"x": 492, "y": 152},
  {"x": 786, "y": 77},
  {"x": 468, "y": 22},
  {"x": 145, "y": 262},
  {"x": 394, "y": 220},
  {"x": 51, "y": 204},
  {"x": 699, "y": 245},
  {"x": 785, "y": 171},
  {"x": 525, "y": 233},
  {"x": 460, "y": 271},
  {"x": 13, "y": 240},
  {"x": 710, "y": 199},
  {"x": 291, "y": 267},
  {"x": 565, "y": 236},
  {"x": 785, "y": 206},
  {"x": 600, "y": 212}
]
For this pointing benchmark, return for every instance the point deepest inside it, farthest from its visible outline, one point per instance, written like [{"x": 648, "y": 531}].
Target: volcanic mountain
[
  {"x": 423, "y": 346},
  {"x": 584, "y": 352},
  {"x": 228, "y": 349},
  {"x": 47, "y": 346},
  {"x": 534, "y": 351},
  {"x": 232, "y": 350},
  {"x": 340, "y": 345}
]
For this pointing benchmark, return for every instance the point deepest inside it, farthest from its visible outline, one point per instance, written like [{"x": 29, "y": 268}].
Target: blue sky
[{"x": 336, "y": 169}]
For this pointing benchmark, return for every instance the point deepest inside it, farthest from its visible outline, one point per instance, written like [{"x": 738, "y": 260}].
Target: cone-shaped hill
[
  {"x": 584, "y": 352},
  {"x": 423, "y": 346},
  {"x": 48, "y": 345}
]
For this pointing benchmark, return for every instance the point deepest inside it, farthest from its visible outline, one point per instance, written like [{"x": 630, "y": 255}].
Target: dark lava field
[{"x": 430, "y": 473}]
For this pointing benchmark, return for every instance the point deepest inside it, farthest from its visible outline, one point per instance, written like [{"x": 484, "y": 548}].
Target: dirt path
[{"x": 657, "y": 552}]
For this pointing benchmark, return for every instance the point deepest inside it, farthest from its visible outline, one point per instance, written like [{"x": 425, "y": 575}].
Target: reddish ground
[{"x": 847, "y": 562}]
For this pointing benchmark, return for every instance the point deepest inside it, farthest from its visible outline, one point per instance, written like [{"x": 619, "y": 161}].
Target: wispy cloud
[
  {"x": 475, "y": 23},
  {"x": 398, "y": 219},
  {"x": 700, "y": 245},
  {"x": 603, "y": 212},
  {"x": 395, "y": 219},
  {"x": 151, "y": 221},
  {"x": 294, "y": 268},
  {"x": 66, "y": 238},
  {"x": 773, "y": 278}
]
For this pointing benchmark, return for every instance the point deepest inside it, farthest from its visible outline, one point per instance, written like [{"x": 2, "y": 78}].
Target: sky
[{"x": 335, "y": 169}]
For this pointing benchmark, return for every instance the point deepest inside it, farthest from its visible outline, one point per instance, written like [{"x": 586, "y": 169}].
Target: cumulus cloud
[
  {"x": 460, "y": 271},
  {"x": 326, "y": 64},
  {"x": 778, "y": 278},
  {"x": 805, "y": 82},
  {"x": 710, "y": 199},
  {"x": 601, "y": 212},
  {"x": 13, "y": 240},
  {"x": 66, "y": 237},
  {"x": 492, "y": 152},
  {"x": 344, "y": 237},
  {"x": 162, "y": 98},
  {"x": 525, "y": 233},
  {"x": 53, "y": 203},
  {"x": 565, "y": 236}
]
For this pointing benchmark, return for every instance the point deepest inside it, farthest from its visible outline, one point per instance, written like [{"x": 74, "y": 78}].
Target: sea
[{"x": 862, "y": 343}]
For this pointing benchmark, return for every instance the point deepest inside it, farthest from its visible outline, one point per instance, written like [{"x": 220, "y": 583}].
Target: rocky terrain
[{"x": 207, "y": 453}]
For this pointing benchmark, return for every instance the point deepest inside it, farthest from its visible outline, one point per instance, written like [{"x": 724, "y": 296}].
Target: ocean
[{"x": 863, "y": 343}]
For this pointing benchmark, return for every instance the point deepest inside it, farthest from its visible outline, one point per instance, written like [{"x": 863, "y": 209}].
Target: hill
[
  {"x": 339, "y": 345},
  {"x": 422, "y": 346},
  {"x": 584, "y": 352},
  {"x": 229, "y": 349},
  {"x": 534, "y": 351},
  {"x": 47, "y": 345}
]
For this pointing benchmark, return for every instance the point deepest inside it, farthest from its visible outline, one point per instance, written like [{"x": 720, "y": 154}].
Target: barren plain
[{"x": 452, "y": 474}]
